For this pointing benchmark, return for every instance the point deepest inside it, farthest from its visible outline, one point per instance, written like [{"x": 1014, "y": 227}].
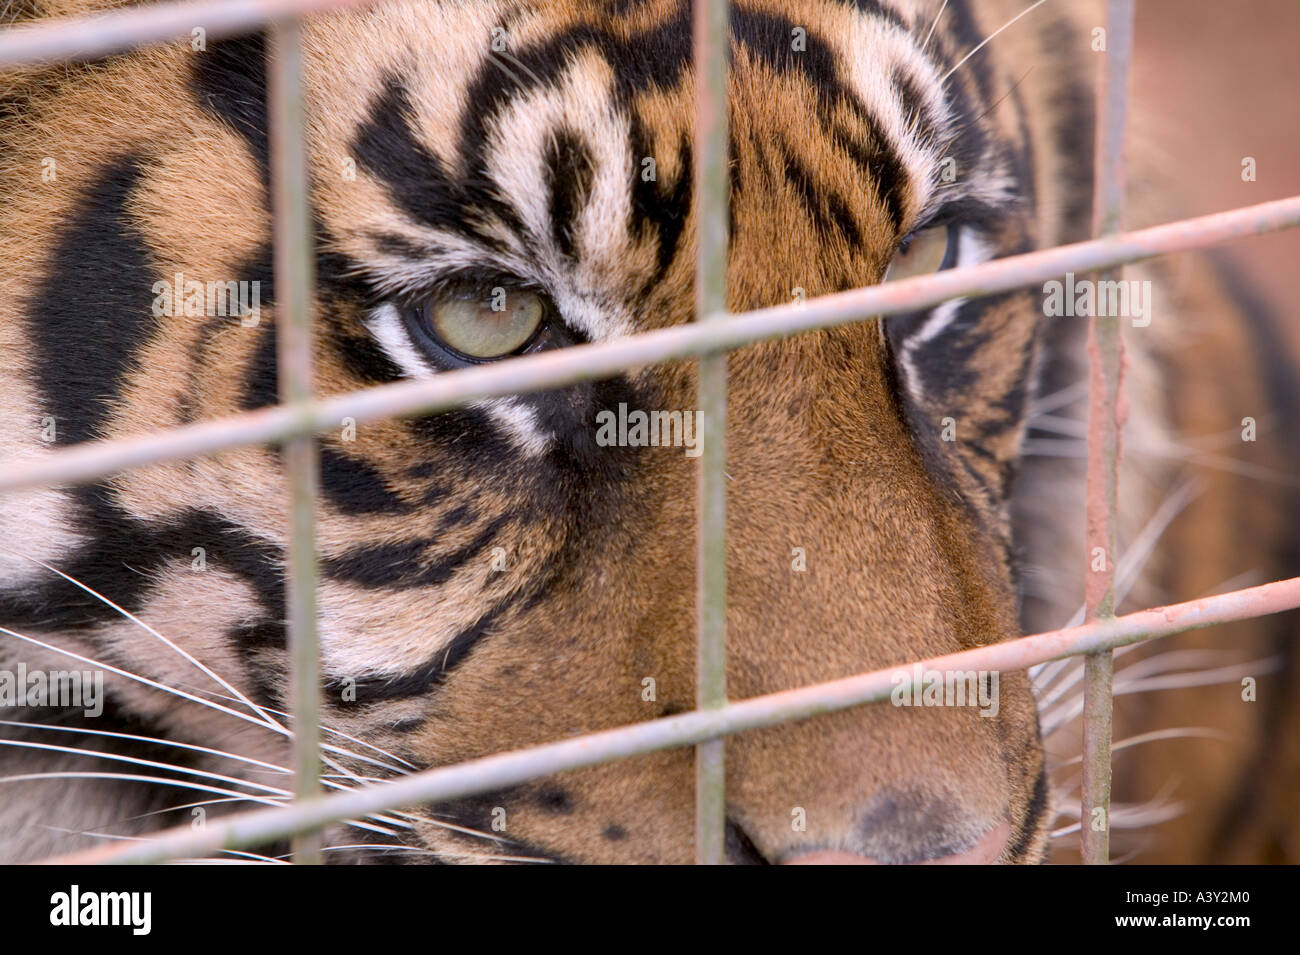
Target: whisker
[
  {"x": 983, "y": 43},
  {"x": 523, "y": 66},
  {"x": 274, "y": 727},
  {"x": 139, "y": 761},
  {"x": 147, "y": 682},
  {"x": 148, "y": 739},
  {"x": 117, "y": 837},
  {"x": 1152, "y": 684},
  {"x": 1128, "y": 567},
  {"x": 1168, "y": 660},
  {"x": 150, "y": 630},
  {"x": 1143, "y": 844},
  {"x": 352, "y": 739},
  {"x": 1180, "y": 681},
  {"x": 937, "y": 17},
  {"x": 1185, "y": 732},
  {"x": 237, "y": 695},
  {"x": 443, "y": 855},
  {"x": 1061, "y": 398},
  {"x": 135, "y": 777}
]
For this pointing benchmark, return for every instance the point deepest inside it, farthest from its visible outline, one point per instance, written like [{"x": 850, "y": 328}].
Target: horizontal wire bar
[
  {"x": 509, "y": 769},
  {"x": 96, "y": 35},
  {"x": 564, "y": 366}
]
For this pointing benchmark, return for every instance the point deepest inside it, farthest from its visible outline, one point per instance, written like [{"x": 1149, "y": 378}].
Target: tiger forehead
[{"x": 537, "y": 144}]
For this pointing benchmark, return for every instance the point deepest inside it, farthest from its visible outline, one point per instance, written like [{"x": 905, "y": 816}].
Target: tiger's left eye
[
  {"x": 484, "y": 327},
  {"x": 923, "y": 254}
]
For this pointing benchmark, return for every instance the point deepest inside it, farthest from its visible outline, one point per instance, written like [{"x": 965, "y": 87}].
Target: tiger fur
[{"x": 493, "y": 577}]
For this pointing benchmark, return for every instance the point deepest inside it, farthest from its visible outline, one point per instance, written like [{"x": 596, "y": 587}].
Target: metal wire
[
  {"x": 294, "y": 280},
  {"x": 299, "y": 418},
  {"x": 102, "y": 34},
  {"x": 508, "y": 769},
  {"x": 1105, "y": 424},
  {"x": 712, "y": 185},
  {"x": 566, "y": 366}
]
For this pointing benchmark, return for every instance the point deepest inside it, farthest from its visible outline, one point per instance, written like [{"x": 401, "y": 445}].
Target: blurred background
[
  {"x": 1223, "y": 81},
  {"x": 1213, "y": 83}
]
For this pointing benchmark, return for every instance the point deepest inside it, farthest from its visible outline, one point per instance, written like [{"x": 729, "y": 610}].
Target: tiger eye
[
  {"x": 485, "y": 327},
  {"x": 923, "y": 254}
]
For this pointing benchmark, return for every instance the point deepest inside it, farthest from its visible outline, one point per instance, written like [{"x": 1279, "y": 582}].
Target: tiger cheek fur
[
  {"x": 855, "y": 543},
  {"x": 502, "y": 575},
  {"x": 496, "y": 577}
]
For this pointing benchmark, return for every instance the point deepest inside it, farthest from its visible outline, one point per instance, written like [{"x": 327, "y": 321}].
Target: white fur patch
[
  {"x": 33, "y": 524},
  {"x": 385, "y": 324}
]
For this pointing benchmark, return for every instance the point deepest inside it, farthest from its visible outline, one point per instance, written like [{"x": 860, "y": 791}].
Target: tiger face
[{"x": 492, "y": 179}]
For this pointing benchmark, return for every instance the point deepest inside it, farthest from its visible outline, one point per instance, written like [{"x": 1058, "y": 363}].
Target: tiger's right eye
[{"x": 484, "y": 328}]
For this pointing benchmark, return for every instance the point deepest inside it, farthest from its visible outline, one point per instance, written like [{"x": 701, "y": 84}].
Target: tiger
[{"x": 496, "y": 178}]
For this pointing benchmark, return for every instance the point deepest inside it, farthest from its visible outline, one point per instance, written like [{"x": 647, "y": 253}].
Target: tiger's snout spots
[
  {"x": 555, "y": 800},
  {"x": 907, "y": 827}
]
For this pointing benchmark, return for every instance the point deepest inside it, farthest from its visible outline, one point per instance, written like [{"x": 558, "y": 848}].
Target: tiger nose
[
  {"x": 905, "y": 827},
  {"x": 985, "y": 851}
]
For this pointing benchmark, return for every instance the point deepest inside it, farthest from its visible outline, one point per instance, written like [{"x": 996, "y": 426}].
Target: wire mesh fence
[{"x": 300, "y": 417}]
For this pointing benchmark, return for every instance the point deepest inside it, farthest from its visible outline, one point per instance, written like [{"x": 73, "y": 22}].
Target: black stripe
[
  {"x": 123, "y": 554},
  {"x": 875, "y": 8},
  {"x": 880, "y": 164},
  {"x": 375, "y": 565},
  {"x": 425, "y": 677},
  {"x": 467, "y": 435},
  {"x": 387, "y": 148},
  {"x": 361, "y": 354},
  {"x": 354, "y": 487},
  {"x": 397, "y": 246},
  {"x": 1033, "y": 816},
  {"x": 397, "y": 566},
  {"x": 476, "y": 812},
  {"x": 1073, "y": 112},
  {"x": 767, "y": 38},
  {"x": 740, "y": 848},
  {"x": 651, "y": 59},
  {"x": 915, "y": 109},
  {"x": 658, "y": 210},
  {"x": 648, "y": 60},
  {"x": 229, "y": 82},
  {"x": 94, "y": 310},
  {"x": 256, "y": 269},
  {"x": 835, "y": 216},
  {"x": 569, "y": 174},
  {"x": 262, "y": 373}
]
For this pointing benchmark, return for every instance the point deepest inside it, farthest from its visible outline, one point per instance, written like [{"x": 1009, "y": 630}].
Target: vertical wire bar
[
  {"x": 294, "y": 281},
  {"x": 712, "y": 187},
  {"x": 1105, "y": 422}
]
